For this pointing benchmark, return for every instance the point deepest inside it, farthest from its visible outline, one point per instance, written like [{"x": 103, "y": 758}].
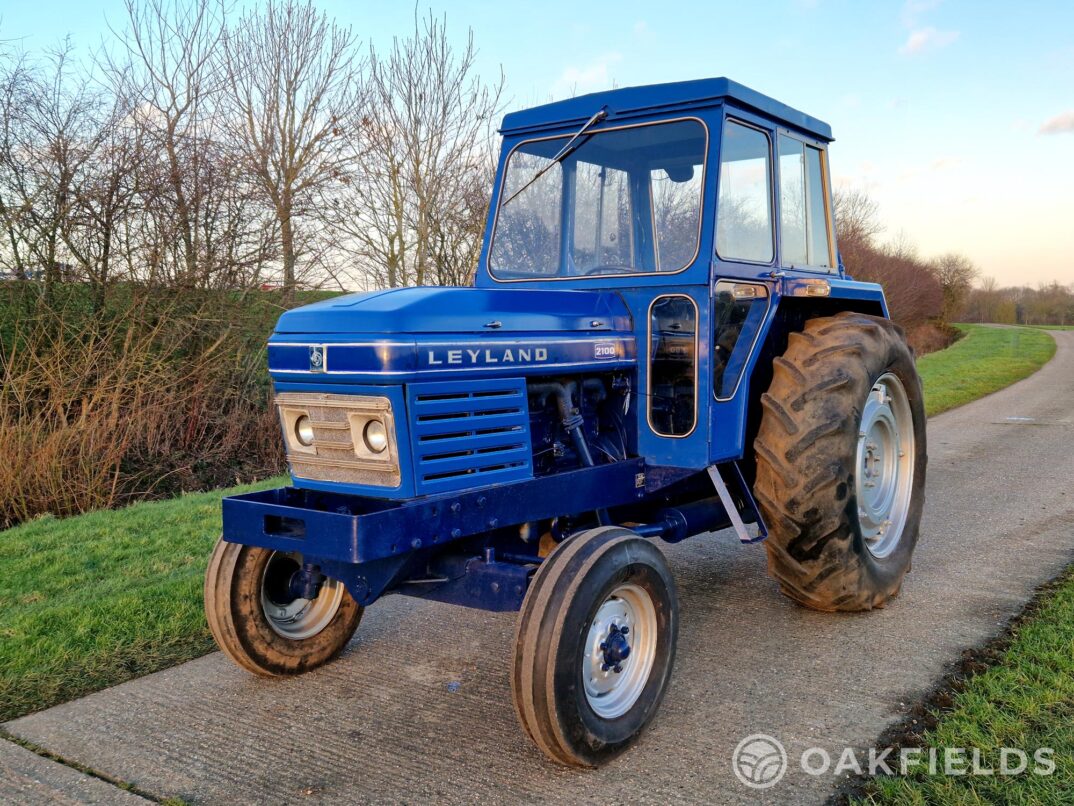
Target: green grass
[
  {"x": 983, "y": 361},
  {"x": 1026, "y": 701},
  {"x": 97, "y": 599}
]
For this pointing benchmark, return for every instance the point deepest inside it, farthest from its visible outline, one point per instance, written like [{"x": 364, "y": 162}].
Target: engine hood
[
  {"x": 459, "y": 310},
  {"x": 428, "y": 333}
]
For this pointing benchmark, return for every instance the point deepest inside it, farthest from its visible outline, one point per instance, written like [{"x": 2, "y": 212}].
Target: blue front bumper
[{"x": 353, "y": 529}]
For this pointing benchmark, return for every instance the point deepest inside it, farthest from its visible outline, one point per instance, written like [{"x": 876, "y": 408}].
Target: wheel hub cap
[
  {"x": 885, "y": 465},
  {"x": 619, "y": 651},
  {"x": 291, "y": 616},
  {"x": 616, "y": 648}
]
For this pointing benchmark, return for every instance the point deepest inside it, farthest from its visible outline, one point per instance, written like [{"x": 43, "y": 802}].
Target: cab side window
[
  {"x": 803, "y": 213},
  {"x": 744, "y": 212}
]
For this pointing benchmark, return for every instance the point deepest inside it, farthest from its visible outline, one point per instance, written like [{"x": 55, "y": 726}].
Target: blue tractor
[{"x": 661, "y": 343}]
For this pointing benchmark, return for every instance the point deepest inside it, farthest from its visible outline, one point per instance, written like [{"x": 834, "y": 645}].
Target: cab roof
[{"x": 677, "y": 96}]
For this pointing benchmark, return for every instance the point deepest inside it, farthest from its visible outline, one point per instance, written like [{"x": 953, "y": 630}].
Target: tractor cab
[{"x": 673, "y": 184}]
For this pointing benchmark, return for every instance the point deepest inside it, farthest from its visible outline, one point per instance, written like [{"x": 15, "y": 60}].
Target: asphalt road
[{"x": 419, "y": 709}]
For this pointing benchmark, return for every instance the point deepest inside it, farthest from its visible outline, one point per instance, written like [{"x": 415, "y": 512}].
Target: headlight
[
  {"x": 304, "y": 430},
  {"x": 375, "y": 436}
]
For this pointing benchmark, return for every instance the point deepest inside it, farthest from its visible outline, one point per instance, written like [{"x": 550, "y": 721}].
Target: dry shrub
[
  {"x": 928, "y": 337},
  {"x": 910, "y": 286},
  {"x": 147, "y": 399}
]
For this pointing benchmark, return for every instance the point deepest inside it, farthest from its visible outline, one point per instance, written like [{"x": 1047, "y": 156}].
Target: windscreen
[{"x": 622, "y": 201}]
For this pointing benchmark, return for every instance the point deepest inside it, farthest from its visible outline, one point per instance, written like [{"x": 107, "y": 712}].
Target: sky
[{"x": 956, "y": 117}]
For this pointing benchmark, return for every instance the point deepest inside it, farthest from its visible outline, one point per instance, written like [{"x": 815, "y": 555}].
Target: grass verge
[
  {"x": 94, "y": 600},
  {"x": 97, "y": 599},
  {"x": 983, "y": 361},
  {"x": 1017, "y": 692}
]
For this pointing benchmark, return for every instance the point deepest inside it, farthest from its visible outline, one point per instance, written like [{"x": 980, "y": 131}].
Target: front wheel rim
[
  {"x": 884, "y": 465},
  {"x": 293, "y": 617},
  {"x": 613, "y": 685}
]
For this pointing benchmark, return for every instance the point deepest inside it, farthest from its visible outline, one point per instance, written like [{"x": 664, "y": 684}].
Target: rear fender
[{"x": 734, "y": 422}]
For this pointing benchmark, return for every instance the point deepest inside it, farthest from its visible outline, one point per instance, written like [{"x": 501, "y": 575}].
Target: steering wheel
[{"x": 609, "y": 269}]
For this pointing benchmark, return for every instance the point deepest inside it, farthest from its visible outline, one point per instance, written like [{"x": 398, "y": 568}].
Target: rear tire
[
  {"x": 583, "y": 687},
  {"x": 841, "y": 459},
  {"x": 261, "y": 627}
]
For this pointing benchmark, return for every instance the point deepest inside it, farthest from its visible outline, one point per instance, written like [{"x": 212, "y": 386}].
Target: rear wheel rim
[
  {"x": 293, "y": 617},
  {"x": 884, "y": 465},
  {"x": 613, "y": 693}
]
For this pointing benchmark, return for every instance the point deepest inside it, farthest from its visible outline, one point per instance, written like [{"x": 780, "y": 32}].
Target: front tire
[
  {"x": 595, "y": 646},
  {"x": 841, "y": 459},
  {"x": 263, "y": 628}
]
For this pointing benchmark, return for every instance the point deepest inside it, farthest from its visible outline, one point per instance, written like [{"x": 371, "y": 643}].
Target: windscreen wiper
[{"x": 564, "y": 152}]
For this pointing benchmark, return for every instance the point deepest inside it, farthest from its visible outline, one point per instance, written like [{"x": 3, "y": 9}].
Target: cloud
[
  {"x": 927, "y": 39},
  {"x": 912, "y": 9},
  {"x": 596, "y": 75},
  {"x": 1060, "y": 124}
]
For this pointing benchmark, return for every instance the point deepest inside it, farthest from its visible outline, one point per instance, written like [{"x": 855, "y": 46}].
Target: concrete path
[
  {"x": 418, "y": 709},
  {"x": 26, "y": 777}
]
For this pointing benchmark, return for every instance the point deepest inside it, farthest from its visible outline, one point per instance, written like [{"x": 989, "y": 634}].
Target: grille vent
[{"x": 469, "y": 433}]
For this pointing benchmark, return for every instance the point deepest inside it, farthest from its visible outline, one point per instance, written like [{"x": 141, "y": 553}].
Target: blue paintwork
[
  {"x": 410, "y": 344},
  {"x": 357, "y": 529},
  {"x": 453, "y": 311},
  {"x": 367, "y": 358},
  {"x": 359, "y": 532},
  {"x": 477, "y": 581},
  {"x": 663, "y": 100}
]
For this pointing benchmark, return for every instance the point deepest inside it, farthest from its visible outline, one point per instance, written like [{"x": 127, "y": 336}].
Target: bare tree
[
  {"x": 424, "y": 172},
  {"x": 295, "y": 97},
  {"x": 51, "y": 131},
  {"x": 956, "y": 274},
  {"x": 104, "y": 198},
  {"x": 857, "y": 218},
  {"x": 169, "y": 72},
  {"x": 14, "y": 76}
]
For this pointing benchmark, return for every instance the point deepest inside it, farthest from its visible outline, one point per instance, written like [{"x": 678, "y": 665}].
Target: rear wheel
[
  {"x": 595, "y": 645},
  {"x": 261, "y": 624},
  {"x": 841, "y": 463}
]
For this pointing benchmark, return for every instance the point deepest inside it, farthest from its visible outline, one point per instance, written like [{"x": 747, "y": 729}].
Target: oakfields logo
[{"x": 760, "y": 761}]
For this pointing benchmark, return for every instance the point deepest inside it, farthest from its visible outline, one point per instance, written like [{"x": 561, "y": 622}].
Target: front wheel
[
  {"x": 261, "y": 624},
  {"x": 841, "y": 463},
  {"x": 595, "y": 645}
]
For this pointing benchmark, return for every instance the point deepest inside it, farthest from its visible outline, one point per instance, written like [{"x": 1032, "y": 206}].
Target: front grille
[
  {"x": 337, "y": 421},
  {"x": 469, "y": 433}
]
